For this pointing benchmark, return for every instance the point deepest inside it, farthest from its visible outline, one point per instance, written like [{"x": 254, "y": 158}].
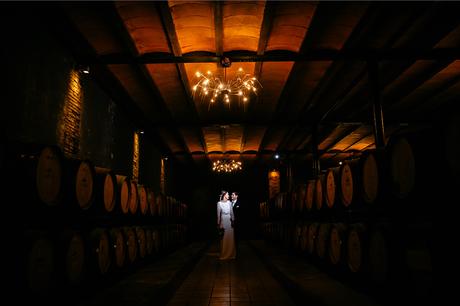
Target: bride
[{"x": 225, "y": 221}]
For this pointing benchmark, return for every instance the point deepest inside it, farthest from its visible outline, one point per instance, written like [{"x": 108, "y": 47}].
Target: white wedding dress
[{"x": 224, "y": 219}]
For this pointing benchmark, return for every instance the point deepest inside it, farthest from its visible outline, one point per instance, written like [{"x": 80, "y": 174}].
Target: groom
[{"x": 236, "y": 215}]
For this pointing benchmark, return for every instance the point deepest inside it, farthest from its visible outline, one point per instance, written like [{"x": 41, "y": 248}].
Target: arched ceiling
[{"x": 312, "y": 59}]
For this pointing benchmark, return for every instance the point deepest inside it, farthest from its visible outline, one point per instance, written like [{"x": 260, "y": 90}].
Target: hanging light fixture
[
  {"x": 218, "y": 89},
  {"x": 226, "y": 165}
]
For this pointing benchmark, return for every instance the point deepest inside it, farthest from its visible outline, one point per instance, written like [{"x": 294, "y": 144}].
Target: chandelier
[
  {"x": 218, "y": 89},
  {"x": 226, "y": 165}
]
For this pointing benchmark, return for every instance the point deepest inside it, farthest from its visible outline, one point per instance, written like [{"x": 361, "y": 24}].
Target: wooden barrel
[
  {"x": 124, "y": 186},
  {"x": 85, "y": 184},
  {"x": 49, "y": 175},
  {"x": 312, "y": 233},
  {"x": 74, "y": 251},
  {"x": 118, "y": 244},
  {"x": 100, "y": 250},
  {"x": 304, "y": 237},
  {"x": 418, "y": 254},
  {"x": 134, "y": 198},
  {"x": 110, "y": 190},
  {"x": 356, "y": 247},
  {"x": 401, "y": 167},
  {"x": 95, "y": 188},
  {"x": 149, "y": 241},
  {"x": 318, "y": 198},
  {"x": 359, "y": 180},
  {"x": 296, "y": 236},
  {"x": 346, "y": 184},
  {"x": 330, "y": 187},
  {"x": 37, "y": 175},
  {"x": 370, "y": 178},
  {"x": 151, "y": 201},
  {"x": 39, "y": 262},
  {"x": 141, "y": 241},
  {"x": 156, "y": 240},
  {"x": 387, "y": 250},
  {"x": 300, "y": 197},
  {"x": 131, "y": 243},
  {"x": 337, "y": 243},
  {"x": 379, "y": 259},
  {"x": 322, "y": 240},
  {"x": 143, "y": 200},
  {"x": 160, "y": 204},
  {"x": 309, "y": 194}
]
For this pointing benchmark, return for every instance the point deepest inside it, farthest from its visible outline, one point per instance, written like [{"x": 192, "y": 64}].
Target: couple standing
[{"x": 226, "y": 220}]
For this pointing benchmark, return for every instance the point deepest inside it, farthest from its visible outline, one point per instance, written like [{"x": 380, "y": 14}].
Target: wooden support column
[
  {"x": 377, "y": 113},
  {"x": 289, "y": 184},
  {"x": 314, "y": 147}
]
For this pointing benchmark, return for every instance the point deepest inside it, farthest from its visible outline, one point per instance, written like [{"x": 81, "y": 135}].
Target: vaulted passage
[{"x": 323, "y": 137}]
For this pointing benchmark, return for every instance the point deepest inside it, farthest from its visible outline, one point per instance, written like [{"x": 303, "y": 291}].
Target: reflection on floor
[
  {"x": 262, "y": 274},
  {"x": 240, "y": 282}
]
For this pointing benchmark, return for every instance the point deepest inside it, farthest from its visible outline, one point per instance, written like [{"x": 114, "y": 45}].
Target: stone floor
[
  {"x": 241, "y": 282},
  {"x": 262, "y": 274}
]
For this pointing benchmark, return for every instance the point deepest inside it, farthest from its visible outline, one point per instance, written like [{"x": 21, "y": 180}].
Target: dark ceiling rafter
[
  {"x": 288, "y": 91},
  {"x": 290, "y": 83},
  {"x": 218, "y": 30},
  {"x": 222, "y": 138},
  {"x": 322, "y": 110},
  {"x": 77, "y": 44},
  {"x": 350, "y": 129},
  {"x": 445, "y": 86},
  {"x": 219, "y": 41},
  {"x": 358, "y": 54},
  {"x": 329, "y": 103},
  {"x": 265, "y": 31},
  {"x": 334, "y": 154},
  {"x": 173, "y": 42},
  {"x": 336, "y": 69},
  {"x": 390, "y": 71},
  {"x": 252, "y": 153}
]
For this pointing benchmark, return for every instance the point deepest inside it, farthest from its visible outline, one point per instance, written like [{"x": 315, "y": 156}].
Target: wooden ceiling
[{"x": 312, "y": 59}]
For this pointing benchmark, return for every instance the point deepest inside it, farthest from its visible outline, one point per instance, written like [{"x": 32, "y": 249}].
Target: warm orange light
[
  {"x": 69, "y": 124},
  {"x": 136, "y": 157}
]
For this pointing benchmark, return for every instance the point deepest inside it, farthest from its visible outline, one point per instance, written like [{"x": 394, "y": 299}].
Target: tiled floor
[{"x": 241, "y": 282}]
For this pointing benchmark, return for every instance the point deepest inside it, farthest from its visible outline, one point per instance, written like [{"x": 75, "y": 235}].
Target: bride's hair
[{"x": 222, "y": 193}]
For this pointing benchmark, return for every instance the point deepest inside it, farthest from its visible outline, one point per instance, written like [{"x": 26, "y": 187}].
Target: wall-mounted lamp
[
  {"x": 83, "y": 68},
  {"x": 277, "y": 156}
]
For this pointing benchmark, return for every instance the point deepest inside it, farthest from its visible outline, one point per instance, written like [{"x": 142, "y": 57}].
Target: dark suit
[{"x": 237, "y": 220}]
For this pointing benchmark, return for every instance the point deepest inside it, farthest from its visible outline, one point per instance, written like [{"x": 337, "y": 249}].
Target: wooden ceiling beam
[
  {"x": 362, "y": 54},
  {"x": 342, "y": 135},
  {"x": 265, "y": 31},
  {"x": 218, "y": 29},
  {"x": 345, "y": 151}
]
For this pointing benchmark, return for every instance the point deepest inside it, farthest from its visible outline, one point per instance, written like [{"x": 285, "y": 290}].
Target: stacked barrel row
[
  {"x": 381, "y": 252},
  {"x": 75, "y": 220},
  {"x": 372, "y": 182},
  {"x": 264, "y": 211},
  {"x": 355, "y": 217},
  {"x": 45, "y": 181},
  {"x": 70, "y": 258}
]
